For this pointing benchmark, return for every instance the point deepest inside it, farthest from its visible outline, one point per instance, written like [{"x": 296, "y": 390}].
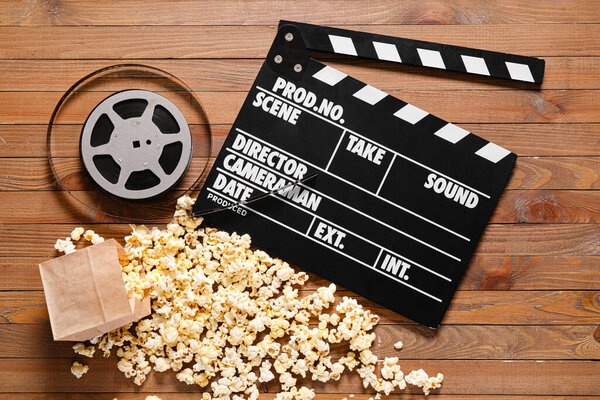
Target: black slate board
[{"x": 400, "y": 200}]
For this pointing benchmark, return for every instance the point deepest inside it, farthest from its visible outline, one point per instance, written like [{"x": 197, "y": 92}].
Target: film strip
[{"x": 400, "y": 199}]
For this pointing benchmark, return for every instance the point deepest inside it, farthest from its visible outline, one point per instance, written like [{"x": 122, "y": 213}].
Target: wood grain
[
  {"x": 483, "y": 377},
  {"x": 515, "y": 206},
  {"x": 484, "y": 273},
  {"x": 501, "y": 106},
  {"x": 456, "y": 342},
  {"x": 463, "y": 377},
  {"x": 204, "y": 75},
  {"x": 547, "y": 206},
  {"x": 556, "y": 173},
  {"x": 69, "y": 12},
  {"x": 140, "y": 395},
  {"x": 512, "y": 239},
  {"x": 469, "y": 307},
  {"x": 134, "y": 42},
  {"x": 523, "y": 139},
  {"x": 268, "y": 396},
  {"x": 548, "y": 173}
]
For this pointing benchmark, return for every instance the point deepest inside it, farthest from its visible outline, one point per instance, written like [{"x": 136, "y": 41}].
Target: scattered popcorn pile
[{"x": 227, "y": 318}]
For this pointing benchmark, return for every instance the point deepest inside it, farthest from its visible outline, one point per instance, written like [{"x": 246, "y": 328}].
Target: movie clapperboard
[{"x": 400, "y": 198}]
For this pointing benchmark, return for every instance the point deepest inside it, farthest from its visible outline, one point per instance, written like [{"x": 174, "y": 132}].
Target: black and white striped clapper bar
[{"x": 401, "y": 197}]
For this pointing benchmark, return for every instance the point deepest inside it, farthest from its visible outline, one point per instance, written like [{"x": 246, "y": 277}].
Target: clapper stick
[
  {"x": 402, "y": 197},
  {"x": 420, "y": 53}
]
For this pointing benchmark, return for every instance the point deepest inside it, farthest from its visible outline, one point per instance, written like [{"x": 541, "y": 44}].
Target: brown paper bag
[{"x": 85, "y": 293}]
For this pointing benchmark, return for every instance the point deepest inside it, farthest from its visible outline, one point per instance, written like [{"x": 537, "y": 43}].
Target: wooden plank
[
  {"x": 230, "y": 12},
  {"x": 36, "y": 174},
  {"x": 546, "y": 239},
  {"x": 456, "y": 342},
  {"x": 238, "y": 74},
  {"x": 37, "y": 240},
  {"x": 523, "y": 139},
  {"x": 501, "y": 106},
  {"x": 547, "y": 206},
  {"x": 134, "y": 42},
  {"x": 539, "y": 173},
  {"x": 515, "y": 206},
  {"x": 467, "y": 307},
  {"x": 482, "y": 377},
  {"x": 30, "y": 140},
  {"x": 556, "y": 173},
  {"x": 484, "y": 273},
  {"x": 269, "y": 396},
  {"x": 573, "y": 377}
]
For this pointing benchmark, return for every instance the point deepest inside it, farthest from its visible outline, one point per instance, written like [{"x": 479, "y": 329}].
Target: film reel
[
  {"x": 127, "y": 140},
  {"x": 136, "y": 144}
]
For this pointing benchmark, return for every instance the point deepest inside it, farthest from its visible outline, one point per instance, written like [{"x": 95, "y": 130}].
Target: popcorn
[
  {"x": 229, "y": 318},
  {"x": 265, "y": 372},
  {"x": 96, "y": 239},
  {"x": 421, "y": 379},
  {"x": 88, "y": 235},
  {"x": 79, "y": 369},
  {"x": 398, "y": 345},
  {"x": 76, "y": 233},
  {"x": 81, "y": 349},
  {"x": 64, "y": 246}
]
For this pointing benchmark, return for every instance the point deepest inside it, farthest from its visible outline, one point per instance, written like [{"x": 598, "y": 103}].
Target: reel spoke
[
  {"x": 123, "y": 176},
  {"x": 158, "y": 171},
  {"x": 107, "y": 148},
  {"x": 148, "y": 112},
  {"x": 165, "y": 140},
  {"x": 114, "y": 117}
]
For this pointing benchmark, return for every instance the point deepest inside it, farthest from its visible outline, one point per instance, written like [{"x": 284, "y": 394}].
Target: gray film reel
[{"x": 136, "y": 144}]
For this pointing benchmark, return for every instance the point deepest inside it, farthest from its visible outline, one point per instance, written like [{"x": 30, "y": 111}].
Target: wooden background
[{"x": 524, "y": 323}]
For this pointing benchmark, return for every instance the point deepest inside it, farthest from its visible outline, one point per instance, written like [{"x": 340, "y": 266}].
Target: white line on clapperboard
[
  {"x": 234, "y": 176},
  {"x": 335, "y": 150},
  {"x": 358, "y": 187},
  {"x": 330, "y": 248},
  {"x": 386, "y": 174},
  {"x": 347, "y": 206},
  {"x": 372, "y": 141}
]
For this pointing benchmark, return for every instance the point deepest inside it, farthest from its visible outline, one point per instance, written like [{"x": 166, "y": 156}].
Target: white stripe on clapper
[
  {"x": 411, "y": 114},
  {"x": 370, "y": 95},
  {"x": 451, "y": 133},
  {"x": 342, "y": 45},
  {"x": 431, "y": 58},
  {"x": 475, "y": 65},
  {"x": 330, "y": 76},
  {"x": 519, "y": 72},
  {"x": 387, "y": 51},
  {"x": 492, "y": 152}
]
